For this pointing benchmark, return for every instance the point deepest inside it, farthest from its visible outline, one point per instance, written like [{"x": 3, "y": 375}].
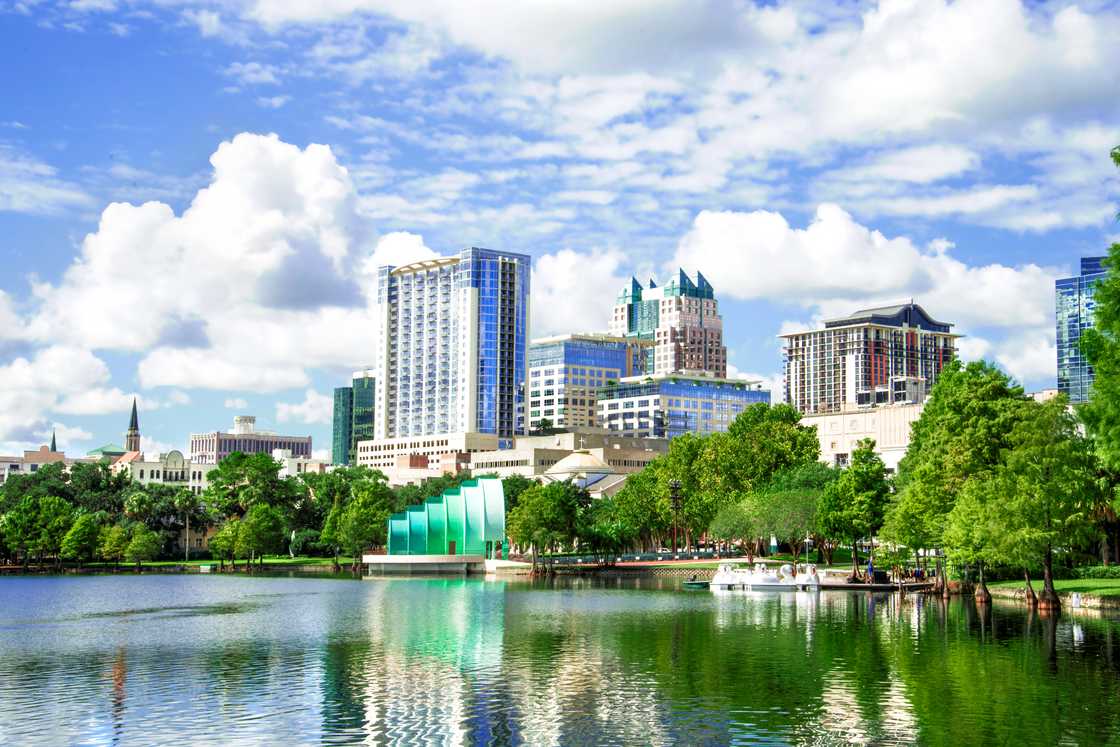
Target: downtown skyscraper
[
  {"x": 452, "y": 354},
  {"x": 1074, "y": 304}
]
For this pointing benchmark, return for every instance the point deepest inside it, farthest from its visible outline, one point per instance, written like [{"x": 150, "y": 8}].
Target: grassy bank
[{"x": 1099, "y": 587}]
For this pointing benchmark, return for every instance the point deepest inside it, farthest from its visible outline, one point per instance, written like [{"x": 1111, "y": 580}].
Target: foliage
[
  {"x": 734, "y": 523},
  {"x": 223, "y": 544},
  {"x": 852, "y": 506},
  {"x": 512, "y": 487},
  {"x": 1097, "y": 571},
  {"x": 143, "y": 545},
  {"x": 962, "y": 431},
  {"x": 114, "y": 541},
  {"x": 363, "y": 523},
  {"x": 241, "y": 481},
  {"x": 261, "y": 531},
  {"x": 303, "y": 542},
  {"x": 82, "y": 539},
  {"x": 549, "y": 516}
]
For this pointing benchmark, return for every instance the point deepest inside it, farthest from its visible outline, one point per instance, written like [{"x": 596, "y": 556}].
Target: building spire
[
  {"x": 132, "y": 435},
  {"x": 54, "y": 444}
]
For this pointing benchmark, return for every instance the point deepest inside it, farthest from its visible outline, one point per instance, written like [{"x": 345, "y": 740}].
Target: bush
[
  {"x": 306, "y": 542},
  {"x": 1097, "y": 571}
]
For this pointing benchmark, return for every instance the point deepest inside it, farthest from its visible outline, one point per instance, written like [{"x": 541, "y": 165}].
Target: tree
[
  {"x": 974, "y": 528},
  {"x": 512, "y": 487},
  {"x": 1101, "y": 347},
  {"x": 81, "y": 541},
  {"x": 114, "y": 542},
  {"x": 20, "y": 525},
  {"x": 788, "y": 506},
  {"x": 187, "y": 504},
  {"x": 1052, "y": 493},
  {"x": 54, "y": 520},
  {"x": 261, "y": 531},
  {"x": 643, "y": 505},
  {"x": 223, "y": 544},
  {"x": 735, "y": 523},
  {"x": 962, "y": 431},
  {"x": 144, "y": 545},
  {"x": 548, "y": 516},
  {"x": 240, "y": 481},
  {"x": 364, "y": 521},
  {"x": 852, "y": 507}
]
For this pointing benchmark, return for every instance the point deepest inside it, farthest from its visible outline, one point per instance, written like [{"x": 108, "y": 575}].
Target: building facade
[
  {"x": 681, "y": 318},
  {"x": 352, "y": 416},
  {"x": 171, "y": 468},
  {"x": 534, "y": 456},
  {"x": 342, "y": 413},
  {"x": 667, "y": 406},
  {"x": 213, "y": 447},
  {"x": 889, "y": 426},
  {"x": 566, "y": 371},
  {"x": 410, "y": 459},
  {"x": 452, "y": 346},
  {"x": 1074, "y": 305},
  {"x": 886, "y": 355}
]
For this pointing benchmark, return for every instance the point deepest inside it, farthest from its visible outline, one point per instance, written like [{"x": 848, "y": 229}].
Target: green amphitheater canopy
[{"x": 460, "y": 522}]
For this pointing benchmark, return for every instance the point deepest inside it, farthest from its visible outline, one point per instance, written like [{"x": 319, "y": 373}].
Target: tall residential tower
[
  {"x": 1074, "y": 306},
  {"x": 885, "y": 355},
  {"x": 452, "y": 346}
]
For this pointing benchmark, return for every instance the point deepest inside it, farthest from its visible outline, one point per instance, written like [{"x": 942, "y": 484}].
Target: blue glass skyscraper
[{"x": 1074, "y": 313}]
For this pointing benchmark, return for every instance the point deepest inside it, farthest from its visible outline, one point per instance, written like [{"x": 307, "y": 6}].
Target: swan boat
[{"x": 761, "y": 578}]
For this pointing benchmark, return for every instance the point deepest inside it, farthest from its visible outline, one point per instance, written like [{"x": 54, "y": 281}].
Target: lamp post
[{"x": 675, "y": 500}]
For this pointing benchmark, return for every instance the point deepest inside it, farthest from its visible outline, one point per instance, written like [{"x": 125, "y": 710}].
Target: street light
[{"x": 675, "y": 500}]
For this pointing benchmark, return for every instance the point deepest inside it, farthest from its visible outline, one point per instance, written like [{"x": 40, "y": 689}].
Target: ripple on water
[{"x": 190, "y": 660}]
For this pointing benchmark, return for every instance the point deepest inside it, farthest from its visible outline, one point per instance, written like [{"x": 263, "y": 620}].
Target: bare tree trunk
[
  {"x": 1049, "y": 601},
  {"x": 1031, "y": 599},
  {"x": 983, "y": 596}
]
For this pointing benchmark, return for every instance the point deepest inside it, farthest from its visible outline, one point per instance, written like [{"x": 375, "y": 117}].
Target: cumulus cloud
[
  {"x": 315, "y": 409},
  {"x": 235, "y": 403},
  {"x": 34, "y": 385},
  {"x": 574, "y": 291},
  {"x": 835, "y": 265}
]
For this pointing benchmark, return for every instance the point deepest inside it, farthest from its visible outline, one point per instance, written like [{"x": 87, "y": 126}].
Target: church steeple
[
  {"x": 54, "y": 445},
  {"x": 132, "y": 435}
]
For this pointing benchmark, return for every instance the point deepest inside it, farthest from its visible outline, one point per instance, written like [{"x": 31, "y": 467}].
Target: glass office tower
[
  {"x": 1074, "y": 313},
  {"x": 452, "y": 345},
  {"x": 364, "y": 390},
  {"x": 341, "y": 443}
]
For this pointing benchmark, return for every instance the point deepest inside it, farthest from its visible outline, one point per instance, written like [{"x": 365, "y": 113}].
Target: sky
[{"x": 195, "y": 195}]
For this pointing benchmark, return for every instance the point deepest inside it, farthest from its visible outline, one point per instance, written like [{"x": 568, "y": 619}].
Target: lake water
[{"x": 235, "y": 660}]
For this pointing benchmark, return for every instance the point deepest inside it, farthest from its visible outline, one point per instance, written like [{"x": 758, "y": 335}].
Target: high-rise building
[
  {"x": 669, "y": 405},
  {"x": 1074, "y": 306},
  {"x": 341, "y": 418},
  {"x": 681, "y": 318},
  {"x": 886, "y": 355},
  {"x": 452, "y": 346},
  {"x": 213, "y": 447},
  {"x": 363, "y": 395},
  {"x": 352, "y": 417},
  {"x": 566, "y": 371}
]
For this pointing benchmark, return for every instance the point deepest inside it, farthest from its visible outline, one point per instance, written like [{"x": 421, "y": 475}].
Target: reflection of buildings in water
[
  {"x": 120, "y": 676},
  {"x": 437, "y": 648}
]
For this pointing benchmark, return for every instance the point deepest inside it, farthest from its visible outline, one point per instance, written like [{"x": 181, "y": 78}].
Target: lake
[{"x": 139, "y": 660}]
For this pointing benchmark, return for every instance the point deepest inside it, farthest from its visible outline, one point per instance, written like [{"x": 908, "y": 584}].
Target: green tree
[
  {"x": 81, "y": 541},
  {"x": 223, "y": 544},
  {"x": 261, "y": 531},
  {"x": 56, "y": 515},
  {"x": 143, "y": 545},
  {"x": 1052, "y": 495},
  {"x": 114, "y": 542},
  {"x": 240, "y": 481},
  {"x": 188, "y": 504},
  {"x": 364, "y": 521},
  {"x": 513, "y": 486},
  {"x": 962, "y": 431},
  {"x": 852, "y": 507},
  {"x": 734, "y": 523},
  {"x": 643, "y": 505},
  {"x": 548, "y": 516},
  {"x": 1101, "y": 347},
  {"x": 20, "y": 524}
]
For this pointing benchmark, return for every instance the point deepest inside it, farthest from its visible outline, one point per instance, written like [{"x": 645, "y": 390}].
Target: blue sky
[{"x": 193, "y": 195}]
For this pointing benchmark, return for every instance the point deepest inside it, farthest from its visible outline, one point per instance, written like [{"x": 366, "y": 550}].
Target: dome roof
[{"x": 580, "y": 462}]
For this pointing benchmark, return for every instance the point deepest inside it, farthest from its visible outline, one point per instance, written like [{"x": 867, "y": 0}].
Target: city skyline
[{"x": 241, "y": 281}]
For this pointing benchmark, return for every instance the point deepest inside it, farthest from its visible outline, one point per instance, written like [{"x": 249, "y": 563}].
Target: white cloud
[
  {"x": 771, "y": 382},
  {"x": 235, "y": 403},
  {"x": 209, "y": 22},
  {"x": 316, "y": 409},
  {"x": 574, "y": 291},
  {"x": 254, "y": 73},
  {"x": 33, "y": 386},
  {"x": 28, "y": 185},
  {"x": 89, "y": 6},
  {"x": 273, "y": 102}
]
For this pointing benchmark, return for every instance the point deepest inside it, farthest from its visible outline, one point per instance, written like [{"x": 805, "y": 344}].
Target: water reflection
[{"x": 244, "y": 661}]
